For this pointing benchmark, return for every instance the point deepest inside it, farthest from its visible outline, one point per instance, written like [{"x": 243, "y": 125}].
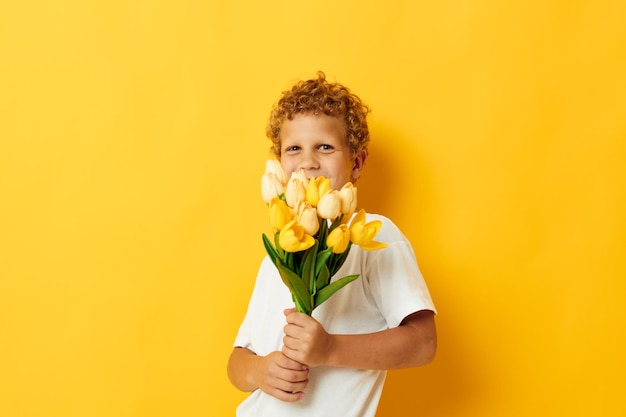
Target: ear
[{"x": 357, "y": 165}]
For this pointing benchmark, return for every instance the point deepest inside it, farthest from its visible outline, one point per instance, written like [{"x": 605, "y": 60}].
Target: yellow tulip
[
  {"x": 273, "y": 166},
  {"x": 348, "y": 198},
  {"x": 329, "y": 206},
  {"x": 280, "y": 214},
  {"x": 293, "y": 238},
  {"x": 363, "y": 234},
  {"x": 339, "y": 239},
  {"x": 271, "y": 187},
  {"x": 296, "y": 189},
  {"x": 307, "y": 217},
  {"x": 316, "y": 189}
]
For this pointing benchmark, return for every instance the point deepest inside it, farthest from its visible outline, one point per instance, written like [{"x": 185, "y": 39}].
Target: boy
[{"x": 333, "y": 363}]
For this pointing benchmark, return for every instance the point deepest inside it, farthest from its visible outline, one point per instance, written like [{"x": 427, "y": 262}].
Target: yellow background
[{"x": 131, "y": 147}]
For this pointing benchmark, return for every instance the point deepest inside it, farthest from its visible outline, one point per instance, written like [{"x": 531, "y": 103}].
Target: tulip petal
[
  {"x": 373, "y": 245},
  {"x": 274, "y": 167},
  {"x": 363, "y": 234},
  {"x": 329, "y": 206},
  {"x": 338, "y": 239},
  {"x": 292, "y": 238},
  {"x": 280, "y": 213}
]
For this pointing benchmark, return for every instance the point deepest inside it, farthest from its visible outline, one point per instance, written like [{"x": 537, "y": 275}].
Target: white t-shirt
[{"x": 389, "y": 288}]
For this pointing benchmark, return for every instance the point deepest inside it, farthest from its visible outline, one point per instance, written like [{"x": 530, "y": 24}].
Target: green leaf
[
  {"x": 326, "y": 292},
  {"x": 339, "y": 259},
  {"x": 308, "y": 268},
  {"x": 298, "y": 261},
  {"x": 269, "y": 248},
  {"x": 336, "y": 223},
  {"x": 323, "y": 278},
  {"x": 322, "y": 234},
  {"x": 297, "y": 288},
  {"x": 332, "y": 261},
  {"x": 289, "y": 263},
  {"x": 298, "y": 304},
  {"x": 279, "y": 249},
  {"x": 321, "y": 259}
]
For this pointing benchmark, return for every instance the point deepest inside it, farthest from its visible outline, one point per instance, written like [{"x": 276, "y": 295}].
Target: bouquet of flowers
[{"x": 311, "y": 236}]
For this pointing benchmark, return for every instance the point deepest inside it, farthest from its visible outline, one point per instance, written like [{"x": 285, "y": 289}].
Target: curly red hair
[{"x": 318, "y": 96}]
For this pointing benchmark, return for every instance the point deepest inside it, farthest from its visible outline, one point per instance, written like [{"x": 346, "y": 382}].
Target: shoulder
[{"x": 389, "y": 231}]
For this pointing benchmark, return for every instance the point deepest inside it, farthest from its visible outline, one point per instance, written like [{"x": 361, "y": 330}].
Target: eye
[
  {"x": 326, "y": 147},
  {"x": 294, "y": 148}
]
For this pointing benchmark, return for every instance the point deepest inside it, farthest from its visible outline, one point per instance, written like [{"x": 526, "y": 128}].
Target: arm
[
  {"x": 275, "y": 374},
  {"x": 413, "y": 343}
]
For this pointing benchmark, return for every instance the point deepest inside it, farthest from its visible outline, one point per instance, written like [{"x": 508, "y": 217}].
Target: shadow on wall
[
  {"x": 375, "y": 187},
  {"x": 443, "y": 387},
  {"x": 395, "y": 180}
]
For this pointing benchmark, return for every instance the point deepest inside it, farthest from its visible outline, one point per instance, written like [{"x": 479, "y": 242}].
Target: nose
[{"x": 308, "y": 161}]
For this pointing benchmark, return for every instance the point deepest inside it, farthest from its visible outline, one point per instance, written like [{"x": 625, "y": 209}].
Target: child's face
[{"x": 318, "y": 145}]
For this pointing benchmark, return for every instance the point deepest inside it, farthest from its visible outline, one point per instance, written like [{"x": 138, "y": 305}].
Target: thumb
[{"x": 288, "y": 311}]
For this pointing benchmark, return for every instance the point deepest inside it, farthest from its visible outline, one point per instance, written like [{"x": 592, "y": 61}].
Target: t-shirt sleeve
[
  {"x": 398, "y": 287},
  {"x": 261, "y": 328},
  {"x": 244, "y": 335},
  {"x": 243, "y": 338}
]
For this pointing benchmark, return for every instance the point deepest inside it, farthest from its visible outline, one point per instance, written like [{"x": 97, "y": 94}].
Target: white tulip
[
  {"x": 295, "y": 191},
  {"x": 307, "y": 218},
  {"x": 270, "y": 187},
  {"x": 329, "y": 206},
  {"x": 348, "y": 198},
  {"x": 273, "y": 166}
]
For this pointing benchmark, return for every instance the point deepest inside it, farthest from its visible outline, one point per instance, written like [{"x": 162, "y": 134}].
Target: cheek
[
  {"x": 339, "y": 180},
  {"x": 287, "y": 167}
]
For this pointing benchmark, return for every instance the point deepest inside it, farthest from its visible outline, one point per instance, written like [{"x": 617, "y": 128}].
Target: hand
[
  {"x": 305, "y": 339},
  {"x": 281, "y": 377}
]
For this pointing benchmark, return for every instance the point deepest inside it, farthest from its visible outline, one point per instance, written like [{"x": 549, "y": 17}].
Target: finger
[
  {"x": 291, "y": 380},
  {"x": 293, "y": 330},
  {"x": 288, "y": 363},
  {"x": 299, "y": 319},
  {"x": 286, "y": 396},
  {"x": 293, "y": 354},
  {"x": 290, "y": 346},
  {"x": 288, "y": 382}
]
